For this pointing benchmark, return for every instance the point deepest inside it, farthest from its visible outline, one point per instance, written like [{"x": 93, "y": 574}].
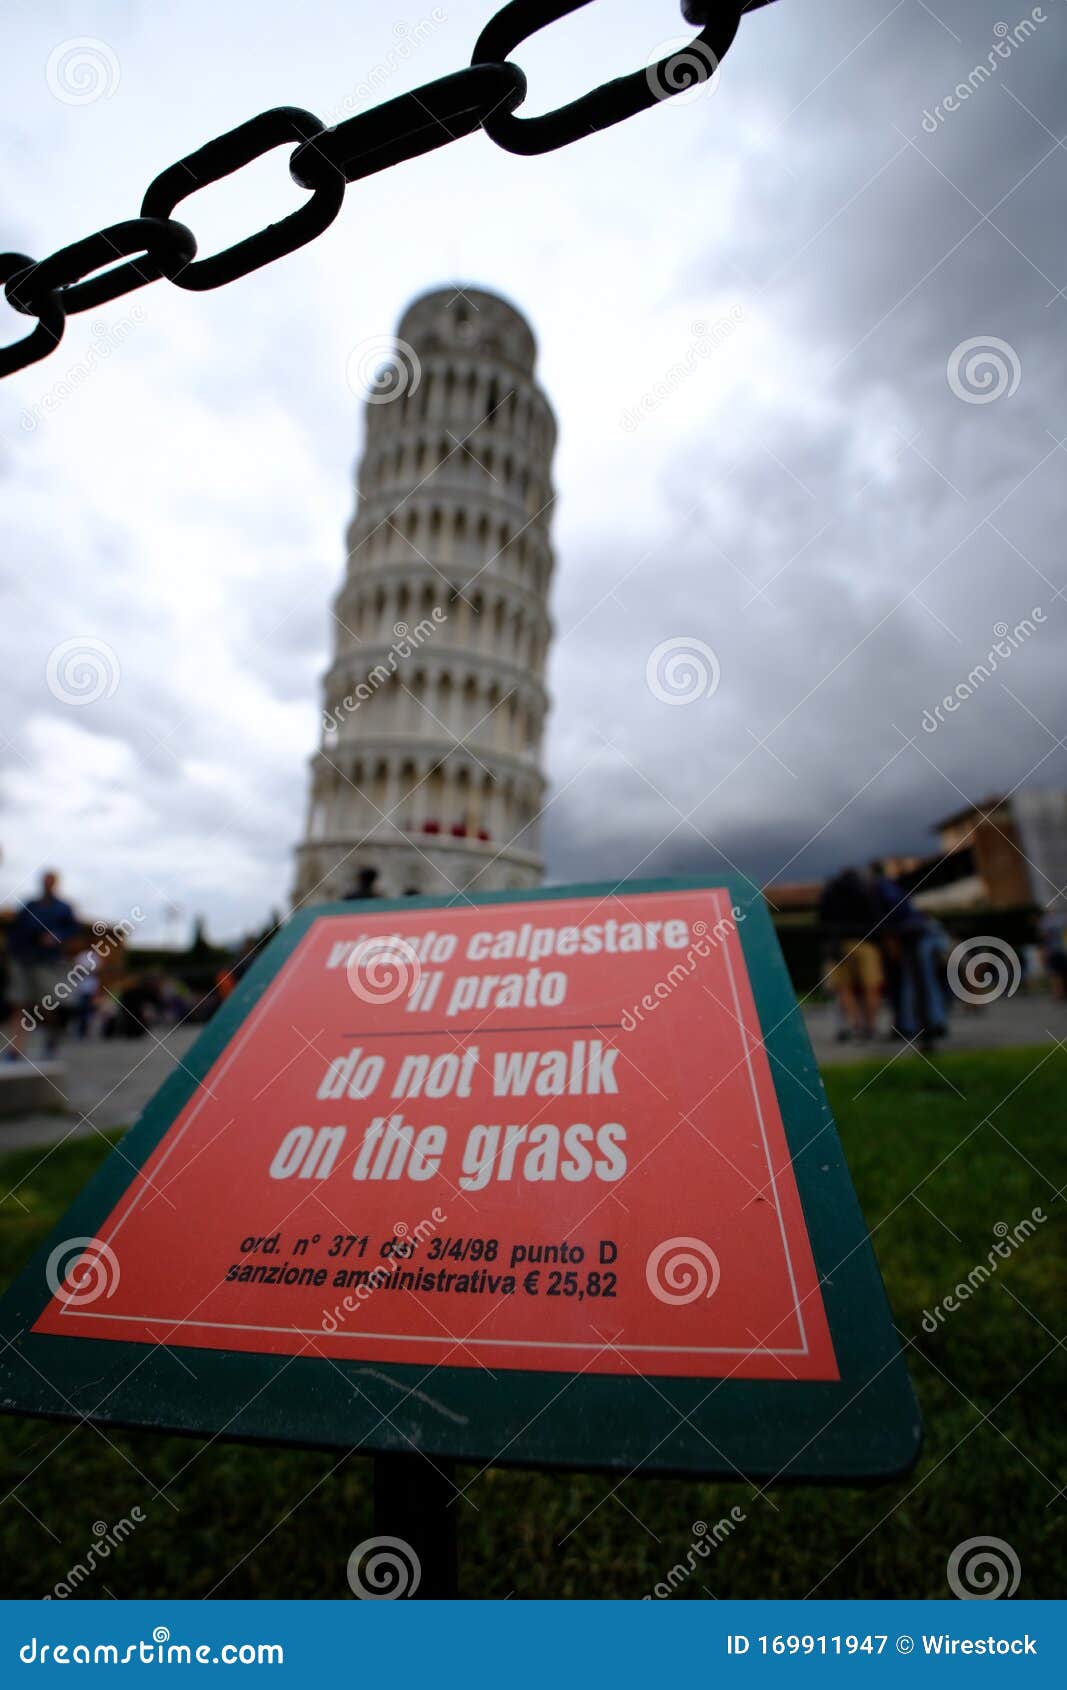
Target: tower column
[{"x": 442, "y": 625}]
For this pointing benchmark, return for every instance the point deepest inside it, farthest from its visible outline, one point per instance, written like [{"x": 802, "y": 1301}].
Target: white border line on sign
[
  {"x": 286, "y": 975},
  {"x": 766, "y": 1147}
]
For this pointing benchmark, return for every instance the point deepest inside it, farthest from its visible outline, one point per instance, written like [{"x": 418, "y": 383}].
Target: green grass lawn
[{"x": 940, "y": 1152}]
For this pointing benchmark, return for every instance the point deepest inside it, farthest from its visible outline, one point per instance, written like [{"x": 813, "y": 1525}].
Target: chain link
[
  {"x": 612, "y": 102},
  {"x": 220, "y": 158},
  {"x": 166, "y": 247},
  {"x": 484, "y": 96},
  {"x": 48, "y": 311},
  {"x": 411, "y": 124}
]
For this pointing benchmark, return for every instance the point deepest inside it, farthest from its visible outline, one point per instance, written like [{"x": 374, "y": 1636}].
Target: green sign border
[{"x": 866, "y": 1426}]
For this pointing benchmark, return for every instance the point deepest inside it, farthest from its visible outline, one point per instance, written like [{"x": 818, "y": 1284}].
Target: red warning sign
[{"x": 540, "y": 1135}]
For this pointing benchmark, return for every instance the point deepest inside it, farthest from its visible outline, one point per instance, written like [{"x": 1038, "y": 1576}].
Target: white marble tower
[{"x": 428, "y": 772}]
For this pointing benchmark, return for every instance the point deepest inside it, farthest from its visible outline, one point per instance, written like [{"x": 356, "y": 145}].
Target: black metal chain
[{"x": 324, "y": 161}]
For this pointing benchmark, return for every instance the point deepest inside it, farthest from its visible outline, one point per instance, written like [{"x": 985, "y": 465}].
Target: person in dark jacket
[
  {"x": 913, "y": 948},
  {"x": 40, "y": 937},
  {"x": 365, "y": 885},
  {"x": 848, "y": 916}
]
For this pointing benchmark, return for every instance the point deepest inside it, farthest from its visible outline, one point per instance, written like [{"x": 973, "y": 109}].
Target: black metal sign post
[
  {"x": 725, "y": 1319},
  {"x": 415, "y": 1502}
]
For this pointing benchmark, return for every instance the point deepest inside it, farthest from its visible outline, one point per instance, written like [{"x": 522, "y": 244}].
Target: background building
[
  {"x": 1009, "y": 850},
  {"x": 428, "y": 772}
]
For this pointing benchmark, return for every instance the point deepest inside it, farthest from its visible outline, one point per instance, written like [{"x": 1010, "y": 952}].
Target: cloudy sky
[{"x": 804, "y": 333}]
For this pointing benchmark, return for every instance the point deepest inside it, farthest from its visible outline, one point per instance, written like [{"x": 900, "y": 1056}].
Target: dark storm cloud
[
  {"x": 811, "y": 500},
  {"x": 865, "y": 503}
]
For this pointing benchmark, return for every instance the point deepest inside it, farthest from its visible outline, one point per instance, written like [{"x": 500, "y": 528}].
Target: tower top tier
[{"x": 468, "y": 321}]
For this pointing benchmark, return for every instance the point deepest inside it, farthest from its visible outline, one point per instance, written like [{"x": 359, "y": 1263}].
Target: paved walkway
[
  {"x": 1021, "y": 1020},
  {"x": 109, "y": 1083}
]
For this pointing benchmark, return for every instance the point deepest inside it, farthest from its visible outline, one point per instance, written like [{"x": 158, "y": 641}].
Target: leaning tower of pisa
[{"x": 428, "y": 770}]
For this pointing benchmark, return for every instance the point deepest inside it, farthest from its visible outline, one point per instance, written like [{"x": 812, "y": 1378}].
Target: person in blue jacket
[
  {"x": 913, "y": 963},
  {"x": 39, "y": 941}
]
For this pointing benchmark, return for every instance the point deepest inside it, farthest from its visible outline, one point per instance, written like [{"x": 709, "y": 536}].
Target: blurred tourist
[
  {"x": 5, "y": 996},
  {"x": 365, "y": 885},
  {"x": 178, "y": 1000},
  {"x": 914, "y": 946},
  {"x": 1054, "y": 950},
  {"x": 41, "y": 935},
  {"x": 140, "y": 1006},
  {"x": 82, "y": 1000},
  {"x": 848, "y": 917}
]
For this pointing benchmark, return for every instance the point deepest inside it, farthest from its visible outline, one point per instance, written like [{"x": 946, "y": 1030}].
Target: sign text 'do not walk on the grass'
[{"x": 544, "y": 1178}]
